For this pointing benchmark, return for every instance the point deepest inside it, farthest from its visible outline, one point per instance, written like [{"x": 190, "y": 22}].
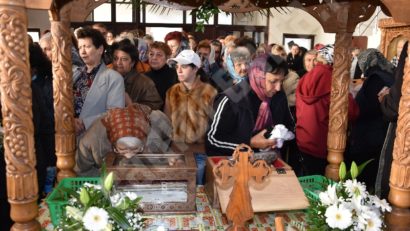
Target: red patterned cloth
[{"x": 130, "y": 121}]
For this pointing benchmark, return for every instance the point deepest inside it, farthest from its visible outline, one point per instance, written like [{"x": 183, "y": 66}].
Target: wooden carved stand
[{"x": 239, "y": 208}]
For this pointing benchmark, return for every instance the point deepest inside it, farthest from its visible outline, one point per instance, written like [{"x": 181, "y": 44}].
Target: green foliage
[
  {"x": 203, "y": 14},
  {"x": 123, "y": 208}
]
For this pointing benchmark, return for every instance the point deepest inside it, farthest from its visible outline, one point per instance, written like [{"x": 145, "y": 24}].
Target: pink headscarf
[{"x": 258, "y": 85}]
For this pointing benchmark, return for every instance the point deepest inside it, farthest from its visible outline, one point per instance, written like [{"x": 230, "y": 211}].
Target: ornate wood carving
[
  {"x": 390, "y": 30},
  {"x": 399, "y": 195},
  {"x": 336, "y": 141},
  {"x": 400, "y": 172},
  {"x": 63, "y": 93},
  {"x": 239, "y": 208},
  {"x": 15, "y": 79}
]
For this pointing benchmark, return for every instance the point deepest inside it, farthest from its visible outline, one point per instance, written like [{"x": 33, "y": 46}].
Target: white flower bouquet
[
  {"x": 100, "y": 208},
  {"x": 347, "y": 205}
]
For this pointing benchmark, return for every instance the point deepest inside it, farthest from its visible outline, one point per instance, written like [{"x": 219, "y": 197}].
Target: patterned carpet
[{"x": 206, "y": 218}]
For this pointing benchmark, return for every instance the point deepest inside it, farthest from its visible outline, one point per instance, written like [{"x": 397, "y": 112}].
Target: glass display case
[{"x": 166, "y": 182}]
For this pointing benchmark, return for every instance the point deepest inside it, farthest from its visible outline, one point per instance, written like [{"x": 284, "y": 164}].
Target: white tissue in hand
[{"x": 281, "y": 133}]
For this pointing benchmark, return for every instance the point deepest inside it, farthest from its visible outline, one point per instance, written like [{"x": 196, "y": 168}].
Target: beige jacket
[{"x": 289, "y": 86}]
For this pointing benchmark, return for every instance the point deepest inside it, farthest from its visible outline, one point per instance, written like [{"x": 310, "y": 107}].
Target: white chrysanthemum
[
  {"x": 355, "y": 188},
  {"x": 368, "y": 217},
  {"x": 338, "y": 217},
  {"x": 382, "y": 204},
  {"x": 108, "y": 227},
  {"x": 95, "y": 219},
  {"x": 373, "y": 224},
  {"x": 329, "y": 197}
]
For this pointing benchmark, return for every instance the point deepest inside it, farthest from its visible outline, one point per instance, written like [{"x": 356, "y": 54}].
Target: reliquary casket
[{"x": 166, "y": 182}]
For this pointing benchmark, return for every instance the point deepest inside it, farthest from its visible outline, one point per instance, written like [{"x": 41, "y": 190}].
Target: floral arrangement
[
  {"x": 100, "y": 208},
  {"x": 347, "y": 205}
]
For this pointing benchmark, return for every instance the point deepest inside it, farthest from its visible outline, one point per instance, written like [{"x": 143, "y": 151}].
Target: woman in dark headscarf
[{"x": 368, "y": 133}]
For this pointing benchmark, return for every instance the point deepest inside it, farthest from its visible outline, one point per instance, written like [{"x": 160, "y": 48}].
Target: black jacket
[{"x": 236, "y": 110}]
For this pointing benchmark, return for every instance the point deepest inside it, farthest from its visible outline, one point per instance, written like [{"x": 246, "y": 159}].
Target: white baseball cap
[{"x": 187, "y": 57}]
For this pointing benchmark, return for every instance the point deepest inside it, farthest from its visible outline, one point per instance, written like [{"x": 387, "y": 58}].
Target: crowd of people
[{"x": 206, "y": 97}]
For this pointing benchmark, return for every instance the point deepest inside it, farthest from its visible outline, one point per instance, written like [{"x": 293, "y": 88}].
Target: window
[
  {"x": 224, "y": 19},
  {"x": 305, "y": 41},
  {"x": 188, "y": 17},
  {"x": 34, "y": 33},
  {"x": 157, "y": 14},
  {"x": 102, "y": 13},
  {"x": 123, "y": 11}
]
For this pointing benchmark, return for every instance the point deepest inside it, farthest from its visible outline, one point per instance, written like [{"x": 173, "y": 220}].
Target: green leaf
[
  {"x": 204, "y": 13},
  {"x": 363, "y": 165},
  {"x": 94, "y": 199},
  {"x": 119, "y": 218},
  {"x": 103, "y": 172}
]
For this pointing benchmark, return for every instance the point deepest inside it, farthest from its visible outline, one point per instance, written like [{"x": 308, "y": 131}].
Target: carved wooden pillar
[
  {"x": 63, "y": 90},
  {"x": 339, "y": 102},
  {"x": 399, "y": 195},
  {"x": 15, "y": 80}
]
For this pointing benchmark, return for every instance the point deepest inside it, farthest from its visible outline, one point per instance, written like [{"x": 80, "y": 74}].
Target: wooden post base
[
  {"x": 30, "y": 226},
  {"x": 398, "y": 219}
]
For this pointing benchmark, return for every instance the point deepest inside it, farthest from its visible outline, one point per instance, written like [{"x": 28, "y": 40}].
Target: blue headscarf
[{"x": 231, "y": 69}]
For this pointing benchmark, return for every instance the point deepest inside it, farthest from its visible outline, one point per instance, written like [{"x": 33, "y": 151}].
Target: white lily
[{"x": 329, "y": 197}]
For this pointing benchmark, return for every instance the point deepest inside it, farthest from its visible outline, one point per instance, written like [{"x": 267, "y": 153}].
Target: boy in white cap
[{"x": 188, "y": 104}]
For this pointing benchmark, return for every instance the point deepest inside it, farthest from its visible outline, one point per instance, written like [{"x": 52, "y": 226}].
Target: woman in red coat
[{"x": 312, "y": 113}]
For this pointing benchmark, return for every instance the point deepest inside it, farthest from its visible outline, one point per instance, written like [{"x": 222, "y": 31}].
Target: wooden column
[
  {"x": 399, "y": 195},
  {"x": 63, "y": 90},
  {"x": 15, "y": 79},
  {"x": 339, "y": 102},
  {"x": 61, "y": 15},
  {"x": 340, "y": 18}
]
